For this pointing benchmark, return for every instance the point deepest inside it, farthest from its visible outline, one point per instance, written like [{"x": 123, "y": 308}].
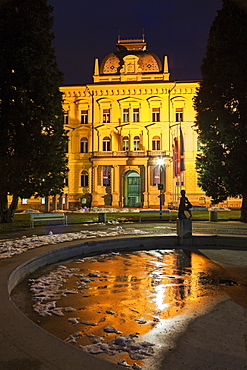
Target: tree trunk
[
  {"x": 7, "y": 213},
  {"x": 243, "y": 217}
]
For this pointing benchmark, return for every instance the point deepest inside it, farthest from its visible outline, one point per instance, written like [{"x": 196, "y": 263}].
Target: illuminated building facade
[{"x": 119, "y": 126}]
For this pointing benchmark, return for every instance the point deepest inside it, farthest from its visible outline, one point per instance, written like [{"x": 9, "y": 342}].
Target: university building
[
  {"x": 129, "y": 132},
  {"x": 132, "y": 139}
]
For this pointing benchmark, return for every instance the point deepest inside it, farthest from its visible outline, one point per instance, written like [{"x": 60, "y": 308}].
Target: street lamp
[{"x": 160, "y": 163}]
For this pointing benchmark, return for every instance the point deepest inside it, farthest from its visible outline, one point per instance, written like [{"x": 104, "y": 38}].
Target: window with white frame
[
  {"x": 137, "y": 143},
  {"x": 156, "y": 114},
  {"x": 84, "y": 179},
  {"x": 106, "y": 144},
  {"x": 84, "y": 116},
  {"x": 106, "y": 115},
  {"x": 83, "y": 145},
  {"x": 24, "y": 201},
  {"x": 156, "y": 143},
  {"x": 136, "y": 114},
  {"x": 126, "y": 115},
  {"x": 125, "y": 143},
  {"x": 179, "y": 114}
]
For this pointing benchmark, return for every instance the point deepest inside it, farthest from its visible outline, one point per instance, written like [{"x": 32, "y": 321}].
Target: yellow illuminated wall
[{"x": 118, "y": 127}]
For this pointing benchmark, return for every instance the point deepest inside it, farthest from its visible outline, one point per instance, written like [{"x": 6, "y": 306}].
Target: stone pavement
[{"x": 36, "y": 349}]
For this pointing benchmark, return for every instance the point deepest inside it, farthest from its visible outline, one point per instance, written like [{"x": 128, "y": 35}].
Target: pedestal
[{"x": 184, "y": 229}]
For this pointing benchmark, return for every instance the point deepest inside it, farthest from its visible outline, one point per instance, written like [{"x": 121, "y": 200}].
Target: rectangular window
[
  {"x": 106, "y": 115},
  {"x": 106, "y": 176},
  {"x": 24, "y": 201},
  {"x": 65, "y": 117},
  {"x": 156, "y": 114},
  {"x": 84, "y": 179},
  {"x": 136, "y": 115},
  {"x": 126, "y": 116},
  {"x": 84, "y": 116},
  {"x": 179, "y": 114}
]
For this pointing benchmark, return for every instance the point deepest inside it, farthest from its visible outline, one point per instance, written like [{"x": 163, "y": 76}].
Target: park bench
[
  {"x": 44, "y": 217},
  {"x": 147, "y": 213}
]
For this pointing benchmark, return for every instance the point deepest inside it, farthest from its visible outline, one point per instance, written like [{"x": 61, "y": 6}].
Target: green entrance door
[{"x": 132, "y": 189}]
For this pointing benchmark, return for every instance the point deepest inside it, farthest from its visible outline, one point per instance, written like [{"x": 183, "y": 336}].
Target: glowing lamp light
[{"x": 160, "y": 161}]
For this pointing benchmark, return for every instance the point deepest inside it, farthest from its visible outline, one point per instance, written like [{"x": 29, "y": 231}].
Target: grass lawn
[{"x": 22, "y": 221}]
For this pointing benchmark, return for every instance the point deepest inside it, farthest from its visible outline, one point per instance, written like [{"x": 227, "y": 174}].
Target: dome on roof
[{"x": 147, "y": 61}]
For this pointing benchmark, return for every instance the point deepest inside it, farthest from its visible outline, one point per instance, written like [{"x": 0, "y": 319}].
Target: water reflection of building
[
  {"x": 148, "y": 287},
  {"x": 119, "y": 125}
]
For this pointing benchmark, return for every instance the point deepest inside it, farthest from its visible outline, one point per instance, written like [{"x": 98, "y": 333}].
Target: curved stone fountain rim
[{"x": 45, "y": 348}]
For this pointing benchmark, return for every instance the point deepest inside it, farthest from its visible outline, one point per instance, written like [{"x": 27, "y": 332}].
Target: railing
[{"x": 130, "y": 153}]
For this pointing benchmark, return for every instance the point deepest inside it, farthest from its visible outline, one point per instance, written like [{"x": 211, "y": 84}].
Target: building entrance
[{"x": 132, "y": 189}]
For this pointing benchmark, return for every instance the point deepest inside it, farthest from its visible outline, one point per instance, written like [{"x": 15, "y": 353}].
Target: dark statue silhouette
[{"x": 184, "y": 205}]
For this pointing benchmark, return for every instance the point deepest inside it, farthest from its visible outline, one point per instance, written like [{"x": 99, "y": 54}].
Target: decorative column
[
  {"x": 66, "y": 201},
  {"x": 145, "y": 190},
  {"x": 115, "y": 184},
  {"x": 95, "y": 195}
]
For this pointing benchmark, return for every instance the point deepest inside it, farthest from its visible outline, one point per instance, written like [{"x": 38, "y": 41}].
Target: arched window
[
  {"x": 106, "y": 144},
  {"x": 156, "y": 143},
  {"x": 84, "y": 179},
  {"x": 125, "y": 143},
  {"x": 137, "y": 143},
  {"x": 83, "y": 145}
]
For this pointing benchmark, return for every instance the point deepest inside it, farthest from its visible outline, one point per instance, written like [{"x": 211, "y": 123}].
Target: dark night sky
[{"x": 88, "y": 29}]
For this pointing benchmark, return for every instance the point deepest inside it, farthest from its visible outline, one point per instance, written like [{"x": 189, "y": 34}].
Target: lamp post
[{"x": 160, "y": 163}]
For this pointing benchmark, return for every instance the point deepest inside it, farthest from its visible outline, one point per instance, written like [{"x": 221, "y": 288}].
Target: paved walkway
[{"x": 13, "y": 349}]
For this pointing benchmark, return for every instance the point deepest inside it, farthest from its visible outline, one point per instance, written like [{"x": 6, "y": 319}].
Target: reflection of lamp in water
[{"x": 160, "y": 163}]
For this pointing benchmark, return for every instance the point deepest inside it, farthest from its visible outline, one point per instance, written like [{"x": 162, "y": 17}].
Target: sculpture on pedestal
[{"x": 184, "y": 205}]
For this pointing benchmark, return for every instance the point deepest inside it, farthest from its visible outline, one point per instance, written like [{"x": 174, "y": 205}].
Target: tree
[
  {"x": 221, "y": 105},
  {"x": 32, "y": 137}
]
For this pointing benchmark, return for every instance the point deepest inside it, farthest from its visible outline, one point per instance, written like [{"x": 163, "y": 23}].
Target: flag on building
[
  {"x": 106, "y": 181},
  {"x": 182, "y": 167},
  {"x": 178, "y": 155},
  {"x": 175, "y": 157},
  {"x": 156, "y": 175}
]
